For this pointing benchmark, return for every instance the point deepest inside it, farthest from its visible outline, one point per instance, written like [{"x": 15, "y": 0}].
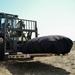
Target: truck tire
[{"x": 1, "y": 49}]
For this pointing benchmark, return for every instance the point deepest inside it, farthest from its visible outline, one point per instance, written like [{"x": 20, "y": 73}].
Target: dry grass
[{"x": 54, "y": 65}]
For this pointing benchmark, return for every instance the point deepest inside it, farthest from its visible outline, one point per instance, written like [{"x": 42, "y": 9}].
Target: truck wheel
[{"x": 1, "y": 49}]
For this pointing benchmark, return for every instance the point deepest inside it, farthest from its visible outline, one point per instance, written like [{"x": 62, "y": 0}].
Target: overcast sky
[{"x": 54, "y": 17}]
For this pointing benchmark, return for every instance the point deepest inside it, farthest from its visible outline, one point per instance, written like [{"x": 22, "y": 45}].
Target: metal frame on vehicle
[{"x": 15, "y": 32}]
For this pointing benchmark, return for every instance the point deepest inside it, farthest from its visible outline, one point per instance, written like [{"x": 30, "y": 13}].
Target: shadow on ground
[{"x": 32, "y": 68}]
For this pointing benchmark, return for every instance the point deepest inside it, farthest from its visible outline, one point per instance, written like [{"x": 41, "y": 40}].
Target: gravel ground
[{"x": 54, "y": 65}]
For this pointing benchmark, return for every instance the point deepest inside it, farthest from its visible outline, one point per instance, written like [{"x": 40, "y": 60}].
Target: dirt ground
[{"x": 54, "y": 65}]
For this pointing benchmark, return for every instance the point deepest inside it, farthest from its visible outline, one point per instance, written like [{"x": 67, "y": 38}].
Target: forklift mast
[{"x": 15, "y": 31}]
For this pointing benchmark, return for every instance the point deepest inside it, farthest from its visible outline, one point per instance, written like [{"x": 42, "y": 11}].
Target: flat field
[{"x": 53, "y": 65}]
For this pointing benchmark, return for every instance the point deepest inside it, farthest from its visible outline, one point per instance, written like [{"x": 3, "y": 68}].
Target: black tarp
[{"x": 48, "y": 44}]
